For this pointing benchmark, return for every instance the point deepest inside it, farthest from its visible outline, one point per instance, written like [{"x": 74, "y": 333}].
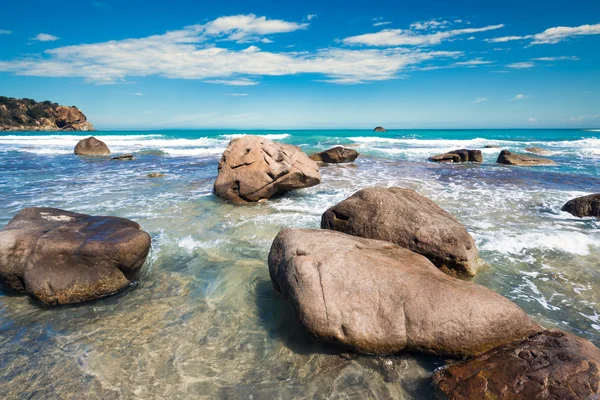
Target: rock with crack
[
  {"x": 547, "y": 365},
  {"x": 336, "y": 155},
  {"x": 506, "y": 157},
  {"x": 404, "y": 217},
  {"x": 61, "y": 257},
  {"x": 376, "y": 297},
  {"x": 254, "y": 169}
]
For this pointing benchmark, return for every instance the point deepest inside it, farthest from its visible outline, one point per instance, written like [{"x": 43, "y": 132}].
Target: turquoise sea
[{"x": 204, "y": 322}]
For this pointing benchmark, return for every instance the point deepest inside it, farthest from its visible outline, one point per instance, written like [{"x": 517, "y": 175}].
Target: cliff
[{"x": 29, "y": 115}]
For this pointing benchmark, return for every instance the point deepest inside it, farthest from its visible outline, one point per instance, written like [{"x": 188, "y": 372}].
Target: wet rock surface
[
  {"x": 91, "y": 147},
  {"x": 586, "y": 206},
  {"x": 506, "y": 157},
  {"x": 336, "y": 155},
  {"x": 456, "y": 156},
  {"x": 61, "y": 257}
]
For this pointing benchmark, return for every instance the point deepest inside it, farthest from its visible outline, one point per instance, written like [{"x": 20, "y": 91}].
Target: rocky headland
[{"x": 30, "y": 115}]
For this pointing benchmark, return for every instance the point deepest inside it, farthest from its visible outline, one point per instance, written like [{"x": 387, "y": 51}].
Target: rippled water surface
[{"x": 204, "y": 322}]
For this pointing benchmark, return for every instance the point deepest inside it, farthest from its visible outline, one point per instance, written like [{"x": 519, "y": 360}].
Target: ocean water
[{"x": 204, "y": 322}]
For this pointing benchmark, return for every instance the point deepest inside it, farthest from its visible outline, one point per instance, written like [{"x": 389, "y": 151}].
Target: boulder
[
  {"x": 538, "y": 150},
  {"x": 253, "y": 168},
  {"x": 506, "y": 157},
  {"x": 91, "y": 147},
  {"x": 586, "y": 206},
  {"x": 547, "y": 365},
  {"x": 124, "y": 157},
  {"x": 380, "y": 129},
  {"x": 61, "y": 257},
  {"x": 404, "y": 217},
  {"x": 462, "y": 155},
  {"x": 378, "y": 298},
  {"x": 336, "y": 155}
]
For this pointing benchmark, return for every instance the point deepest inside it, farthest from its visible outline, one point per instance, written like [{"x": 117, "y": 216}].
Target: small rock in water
[
  {"x": 61, "y": 257},
  {"x": 506, "y": 157},
  {"x": 547, "y": 365},
  {"x": 462, "y": 155},
  {"x": 91, "y": 147},
  {"x": 155, "y": 175},
  {"x": 586, "y": 206},
  {"x": 380, "y": 129},
  {"x": 124, "y": 157},
  {"x": 336, "y": 155},
  {"x": 491, "y": 146},
  {"x": 538, "y": 150}
]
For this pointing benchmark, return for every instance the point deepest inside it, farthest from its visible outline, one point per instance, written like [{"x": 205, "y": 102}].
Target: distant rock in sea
[
  {"x": 506, "y": 157},
  {"x": 380, "y": 129},
  {"x": 29, "y": 115}
]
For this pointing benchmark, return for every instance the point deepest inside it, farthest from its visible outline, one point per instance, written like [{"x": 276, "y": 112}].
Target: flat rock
[
  {"x": 538, "y": 150},
  {"x": 586, "y": 206},
  {"x": 506, "y": 157},
  {"x": 61, "y": 257},
  {"x": 491, "y": 146},
  {"x": 376, "y": 297},
  {"x": 336, "y": 155},
  {"x": 254, "y": 169},
  {"x": 91, "y": 147},
  {"x": 124, "y": 157},
  {"x": 404, "y": 217},
  {"x": 462, "y": 155},
  {"x": 547, "y": 365},
  {"x": 155, "y": 175}
]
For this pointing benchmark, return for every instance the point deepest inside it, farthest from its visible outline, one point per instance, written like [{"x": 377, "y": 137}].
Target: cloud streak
[
  {"x": 44, "y": 37},
  {"x": 552, "y": 35}
]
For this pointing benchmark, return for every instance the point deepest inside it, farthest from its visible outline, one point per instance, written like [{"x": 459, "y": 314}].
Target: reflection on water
[{"x": 204, "y": 320}]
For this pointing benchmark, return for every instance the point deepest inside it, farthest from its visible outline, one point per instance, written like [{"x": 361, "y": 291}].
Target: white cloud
[
  {"x": 5, "y": 32},
  {"x": 469, "y": 63},
  {"x": 521, "y": 65},
  {"x": 532, "y": 119},
  {"x": 583, "y": 118},
  {"x": 431, "y": 24},
  {"x": 471, "y": 38},
  {"x": 553, "y": 35},
  {"x": 266, "y": 40},
  {"x": 200, "y": 52},
  {"x": 310, "y": 17},
  {"x": 561, "y": 58},
  {"x": 381, "y": 23},
  {"x": 481, "y": 100},
  {"x": 44, "y": 37},
  {"x": 477, "y": 61},
  {"x": 236, "y": 94},
  {"x": 399, "y": 37},
  {"x": 519, "y": 97},
  {"x": 137, "y": 94}
]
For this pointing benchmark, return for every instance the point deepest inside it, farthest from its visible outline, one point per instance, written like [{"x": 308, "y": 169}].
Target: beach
[{"x": 204, "y": 320}]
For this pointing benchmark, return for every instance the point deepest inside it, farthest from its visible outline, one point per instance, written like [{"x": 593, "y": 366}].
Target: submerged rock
[
  {"x": 538, "y": 150},
  {"x": 491, "y": 146},
  {"x": 404, "y": 217},
  {"x": 586, "y": 206},
  {"x": 380, "y": 129},
  {"x": 253, "y": 168},
  {"x": 124, "y": 157},
  {"x": 462, "y": 155},
  {"x": 336, "y": 155},
  {"x": 91, "y": 147},
  {"x": 547, "y": 365},
  {"x": 155, "y": 175},
  {"x": 375, "y": 297},
  {"x": 61, "y": 257},
  {"x": 506, "y": 157}
]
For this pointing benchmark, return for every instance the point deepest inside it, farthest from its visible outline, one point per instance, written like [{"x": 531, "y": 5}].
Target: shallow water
[{"x": 204, "y": 322}]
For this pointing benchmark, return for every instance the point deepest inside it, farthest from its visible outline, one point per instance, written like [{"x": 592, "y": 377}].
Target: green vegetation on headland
[{"x": 30, "y": 115}]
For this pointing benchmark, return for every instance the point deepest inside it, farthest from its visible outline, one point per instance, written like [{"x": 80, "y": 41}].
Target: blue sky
[{"x": 309, "y": 64}]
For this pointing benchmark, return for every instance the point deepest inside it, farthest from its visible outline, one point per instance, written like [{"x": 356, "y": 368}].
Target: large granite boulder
[
  {"x": 380, "y": 129},
  {"x": 376, "y": 297},
  {"x": 404, "y": 217},
  {"x": 91, "y": 147},
  {"x": 462, "y": 155},
  {"x": 538, "y": 150},
  {"x": 61, "y": 257},
  {"x": 548, "y": 365},
  {"x": 586, "y": 206},
  {"x": 253, "y": 168},
  {"x": 336, "y": 155},
  {"x": 506, "y": 157}
]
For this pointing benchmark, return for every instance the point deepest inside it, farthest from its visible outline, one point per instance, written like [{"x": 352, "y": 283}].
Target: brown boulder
[
  {"x": 586, "y": 206},
  {"x": 253, "y": 168},
  {"x": 375, "y": 297},
  {"x": 506, "y": 157},
  {"x": 61, "y": 257},
  {"x": 336, "y": 155},
  {"x": 380, "y": 129},
  {"x": 538, "y": 150},
  {"x": 462, "y": 155},
  {"x": 404, "y": 217},
  {"x": 547, "y": 365},
  {"x": 91, "y": 147}
]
